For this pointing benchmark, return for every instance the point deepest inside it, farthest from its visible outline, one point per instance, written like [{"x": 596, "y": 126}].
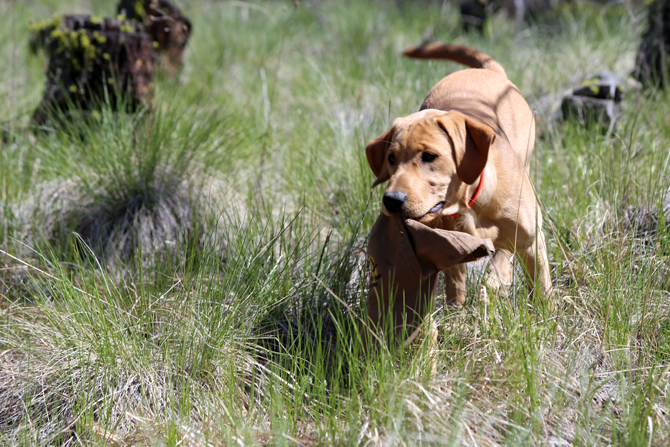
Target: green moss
[
  {"x": 126, "y": 28},
  {"x": 139, "y": 8},
  {"x": 589, "y": 82},
  {"x": 39, "y": 31},
  {"x": 98, "y": 38},
  {"x": 43, "y": 25},
  {"x": 85, "y": 41},
  {"x": 79, "y": 47}
]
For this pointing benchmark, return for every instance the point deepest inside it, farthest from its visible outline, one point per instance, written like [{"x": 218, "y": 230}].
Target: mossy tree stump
[
  {"x": 92, "y": 61},
  {"x": 166, "y": 24},
  {"x": 596, "y": 102}
]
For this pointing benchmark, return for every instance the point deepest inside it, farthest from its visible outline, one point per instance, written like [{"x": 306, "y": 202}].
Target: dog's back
[{"x": 482, "y": 92}]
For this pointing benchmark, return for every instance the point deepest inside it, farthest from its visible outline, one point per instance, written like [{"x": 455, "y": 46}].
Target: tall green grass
[{"x": 245, "y": 322}]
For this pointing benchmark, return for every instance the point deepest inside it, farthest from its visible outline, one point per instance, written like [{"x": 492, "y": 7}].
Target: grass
[{"x": 193, "y": 275}]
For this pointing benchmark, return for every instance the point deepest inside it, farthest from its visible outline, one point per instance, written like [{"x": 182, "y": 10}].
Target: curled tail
[{"x": 457, "y": 53}]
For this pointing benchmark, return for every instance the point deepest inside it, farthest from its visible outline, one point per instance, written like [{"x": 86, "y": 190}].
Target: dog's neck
[
  {"x": 475, "y": 194},
  {"x": 470, "y": 219},
  {"x": 483, "y": 189}
]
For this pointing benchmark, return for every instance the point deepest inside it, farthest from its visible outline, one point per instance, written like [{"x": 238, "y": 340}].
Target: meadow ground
[{"x": 225, "y": 305}]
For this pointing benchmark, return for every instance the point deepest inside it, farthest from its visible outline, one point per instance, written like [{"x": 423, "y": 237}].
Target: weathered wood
[
  {"x": 166, "y": 24},
  {"x": 93, "y": 60},
  {"x": 590, "y": 111}
]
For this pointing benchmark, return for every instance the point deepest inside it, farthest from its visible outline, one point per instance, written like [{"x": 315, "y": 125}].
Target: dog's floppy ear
[
  {"x": 376, "y": 153},
  {"x": 471, "y": 141}
]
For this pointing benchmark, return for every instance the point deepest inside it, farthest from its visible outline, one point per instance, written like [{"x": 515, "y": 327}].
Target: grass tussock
[{"x": 195, "y": 274}]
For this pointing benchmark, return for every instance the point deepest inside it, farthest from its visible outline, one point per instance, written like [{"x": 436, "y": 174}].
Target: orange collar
[{"x": 476, "y": 194}]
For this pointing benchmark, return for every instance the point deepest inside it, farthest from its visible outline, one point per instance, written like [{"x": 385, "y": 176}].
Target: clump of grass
[
  {"x": 144, "y": 359},
  {"x": 135, "y": 183}
]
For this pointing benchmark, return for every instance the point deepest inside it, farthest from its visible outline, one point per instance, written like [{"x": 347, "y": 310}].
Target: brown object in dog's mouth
[{"x": 406, "y": 258}]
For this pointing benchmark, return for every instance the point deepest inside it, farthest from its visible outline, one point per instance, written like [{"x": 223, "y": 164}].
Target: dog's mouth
[{"x": 434, "y": 210}]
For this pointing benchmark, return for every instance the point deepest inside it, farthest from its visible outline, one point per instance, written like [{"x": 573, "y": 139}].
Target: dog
[{"x": 461, "y": 163}]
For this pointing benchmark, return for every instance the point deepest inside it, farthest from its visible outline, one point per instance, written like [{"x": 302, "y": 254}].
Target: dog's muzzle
[{"x": 394, "y": 201}]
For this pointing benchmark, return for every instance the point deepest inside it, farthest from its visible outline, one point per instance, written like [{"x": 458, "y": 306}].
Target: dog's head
[{"x": 428, "y": 158}]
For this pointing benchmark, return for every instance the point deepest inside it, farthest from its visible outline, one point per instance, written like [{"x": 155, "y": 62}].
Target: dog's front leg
[
  {"x": 455, "y": 286},
  {"x": 500, "y": 272}
]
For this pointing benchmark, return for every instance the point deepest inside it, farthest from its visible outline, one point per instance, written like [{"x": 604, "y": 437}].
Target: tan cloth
[{"x": 406, "y": 257}]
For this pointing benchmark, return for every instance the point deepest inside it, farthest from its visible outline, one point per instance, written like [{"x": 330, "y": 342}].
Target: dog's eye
[
  {"x": 427, "y": 157},
  {"x": 391, "y": 159}
]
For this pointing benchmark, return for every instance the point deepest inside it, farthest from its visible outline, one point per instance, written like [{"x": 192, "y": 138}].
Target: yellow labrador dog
[{"x": 461, "y": 163}]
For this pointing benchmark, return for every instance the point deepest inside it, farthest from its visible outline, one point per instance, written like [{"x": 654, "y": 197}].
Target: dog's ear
[
  {"x": 471, "y": 141},
  {"x": 376, "y": 153}
]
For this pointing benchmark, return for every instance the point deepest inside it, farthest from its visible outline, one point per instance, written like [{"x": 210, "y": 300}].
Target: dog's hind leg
[{"x": 534, "y": 258}]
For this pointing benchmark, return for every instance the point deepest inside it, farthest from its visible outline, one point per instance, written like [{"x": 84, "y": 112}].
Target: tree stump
[
  {"x": 166, "y": 24},
  {"x": 91, "y": 61},
  {"x": 651, "y": 66},
  {"x": 595, "y": 102}
]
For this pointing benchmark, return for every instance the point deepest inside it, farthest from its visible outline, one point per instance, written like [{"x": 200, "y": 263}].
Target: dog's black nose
[{"x": 394, "y": 200}]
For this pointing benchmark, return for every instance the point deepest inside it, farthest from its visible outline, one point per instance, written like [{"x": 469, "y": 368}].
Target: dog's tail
[{"x": 457, "y": 53}]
